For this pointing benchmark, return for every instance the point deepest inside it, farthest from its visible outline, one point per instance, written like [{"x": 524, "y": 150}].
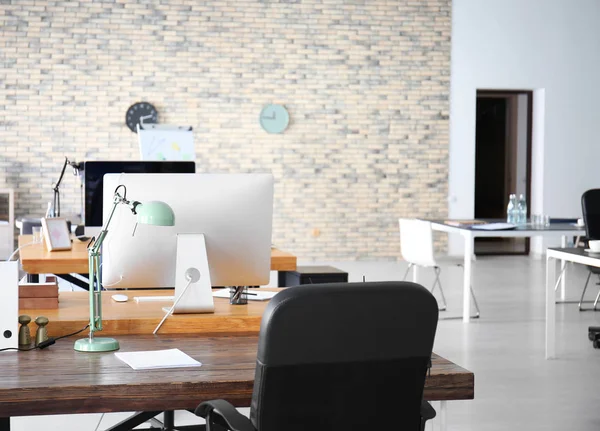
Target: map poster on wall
[{"x": 167, "y": 144}]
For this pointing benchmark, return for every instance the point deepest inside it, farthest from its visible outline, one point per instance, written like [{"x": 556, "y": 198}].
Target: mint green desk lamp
[{"x": 154, "y": 213}]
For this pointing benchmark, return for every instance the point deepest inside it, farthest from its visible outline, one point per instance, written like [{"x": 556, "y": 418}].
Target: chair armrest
[
  {"x": 427, "y": 412},
  {"x": 231, "y": 418}
]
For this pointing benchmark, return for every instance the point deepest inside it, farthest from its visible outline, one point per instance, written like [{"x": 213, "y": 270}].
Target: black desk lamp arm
[
  {"x": 55, "y": 188},
  {"x": 77, "y": 167}
]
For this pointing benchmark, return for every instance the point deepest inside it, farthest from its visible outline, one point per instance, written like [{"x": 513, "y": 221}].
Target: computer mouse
[{"x": 120, "y": 298}]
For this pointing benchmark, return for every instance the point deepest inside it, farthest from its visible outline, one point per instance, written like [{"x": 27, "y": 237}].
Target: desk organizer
[{"x": 38, "y": 295}]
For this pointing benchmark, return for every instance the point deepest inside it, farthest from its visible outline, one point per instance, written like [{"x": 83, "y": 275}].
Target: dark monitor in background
[{"x": 94, "y": 172}]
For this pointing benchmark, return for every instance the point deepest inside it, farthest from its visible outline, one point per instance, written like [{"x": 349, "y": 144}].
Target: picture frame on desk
[{"x": 56, "y": 234}]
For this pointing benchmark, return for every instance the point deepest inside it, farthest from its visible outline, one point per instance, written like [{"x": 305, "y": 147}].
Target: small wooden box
[{"x": 38, "y": 295}]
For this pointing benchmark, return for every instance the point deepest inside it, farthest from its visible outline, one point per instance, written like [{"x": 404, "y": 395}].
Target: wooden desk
[
  {"x": 122, "y": 318},
  {"x": 74, "y": 382},
  {"x": 35, "y": 259},
  {"x": 60, "y": 380}
]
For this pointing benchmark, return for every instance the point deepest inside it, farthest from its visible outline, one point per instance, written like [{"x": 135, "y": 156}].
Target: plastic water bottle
[
  {"x": 522, "y": 210},
  {"x": 511, "y": 209}
]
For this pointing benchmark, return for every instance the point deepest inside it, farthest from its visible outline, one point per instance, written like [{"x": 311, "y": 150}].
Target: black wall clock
[{"x": 137, "y": 111}]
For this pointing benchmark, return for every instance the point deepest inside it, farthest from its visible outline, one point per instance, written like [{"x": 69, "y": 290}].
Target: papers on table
[
  {"x": 461, "y": 223},
  {"x": 253, "y": 294},
  {"x": 494, "y": 226},
  {"x": 157, "y": 359}
]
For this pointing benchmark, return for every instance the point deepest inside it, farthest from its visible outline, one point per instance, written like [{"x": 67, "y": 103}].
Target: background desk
[
  {"x": 74, "y": 382},
  {"x": 562, "y": 230},
  {"x": 36, "y": 259},
  {"x": 553, "y": 256}
]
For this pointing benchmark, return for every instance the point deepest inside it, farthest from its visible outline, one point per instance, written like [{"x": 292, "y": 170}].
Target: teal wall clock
[{"x": 274, "y": 118}]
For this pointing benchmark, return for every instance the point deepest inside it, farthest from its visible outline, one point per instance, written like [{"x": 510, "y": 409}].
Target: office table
[
  {"x": 74, "y": 382},
  {"x": 36, "y": 259},
  {"x": 563, "y": 230},
  {"x": 224, "y": 341},
  {"x": 553, "y": 256}
]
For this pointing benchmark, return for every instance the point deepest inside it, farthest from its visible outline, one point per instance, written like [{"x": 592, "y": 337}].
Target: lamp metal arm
[
  {"x": 94, "y": 248},
  {"x": 117, "y": 200}
]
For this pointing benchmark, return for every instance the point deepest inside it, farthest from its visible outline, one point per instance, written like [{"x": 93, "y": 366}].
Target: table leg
[
  {"x": 467, "y": 277},
  {"x": 551, "y": 264},
  {"x": 33, "y": 278},
  {"x": 415, "y": 274},
  {"x": 563, "y": 280},
  {"x": 442, "y": 422},
  {"x": 4, "y": 424}
]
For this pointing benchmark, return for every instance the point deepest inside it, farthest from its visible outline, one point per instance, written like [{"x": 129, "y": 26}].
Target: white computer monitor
[{"x": 233, "y": 211}]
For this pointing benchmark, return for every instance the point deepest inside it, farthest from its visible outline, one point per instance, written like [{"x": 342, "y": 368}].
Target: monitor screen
[{"x": 94, "y": 172}]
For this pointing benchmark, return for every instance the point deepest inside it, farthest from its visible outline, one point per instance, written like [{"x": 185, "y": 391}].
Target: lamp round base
[{"x": 96, "y": 345}]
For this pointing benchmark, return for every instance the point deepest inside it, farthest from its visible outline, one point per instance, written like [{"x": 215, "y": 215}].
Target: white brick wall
[{"x": 366, "y": 84}]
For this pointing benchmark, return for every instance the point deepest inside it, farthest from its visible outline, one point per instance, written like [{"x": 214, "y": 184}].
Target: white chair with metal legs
[{"x": 416, "y": 243}]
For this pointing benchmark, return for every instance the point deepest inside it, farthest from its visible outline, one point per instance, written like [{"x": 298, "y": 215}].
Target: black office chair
[
  {"x": 339, "y": 356},
  {"x": 590, "y": 206}
]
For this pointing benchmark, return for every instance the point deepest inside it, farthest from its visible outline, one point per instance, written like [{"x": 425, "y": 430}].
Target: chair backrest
[
  {"x": 590, "y": 206},
  {"x": 344, "y": 356},
  {"x": 416, "y": 242}
]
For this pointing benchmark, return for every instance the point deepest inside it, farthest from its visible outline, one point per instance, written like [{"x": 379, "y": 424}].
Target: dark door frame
[{"x": 513, "y": 92}]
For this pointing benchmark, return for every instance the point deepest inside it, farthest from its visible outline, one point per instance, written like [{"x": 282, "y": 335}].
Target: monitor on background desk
[
  {"x": 94, "y": 172},
  {"x": 234, "y": 212}
]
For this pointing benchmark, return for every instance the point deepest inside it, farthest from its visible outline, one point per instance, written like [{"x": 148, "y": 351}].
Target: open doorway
[{"x": 502, "y": 161}]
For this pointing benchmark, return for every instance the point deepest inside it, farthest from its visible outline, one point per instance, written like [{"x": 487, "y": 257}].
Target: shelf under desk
[{"x": 119, "y": 318}]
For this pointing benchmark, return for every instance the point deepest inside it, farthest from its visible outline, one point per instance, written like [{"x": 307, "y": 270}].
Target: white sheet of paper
[
  {"x": 494, "y": 226},
  {"x": 157, "y": 359},
  {"x": 260, "y": 296}
]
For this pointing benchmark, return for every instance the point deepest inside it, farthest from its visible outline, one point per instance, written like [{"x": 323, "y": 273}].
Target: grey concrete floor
[{"x": 515, "y": 387}]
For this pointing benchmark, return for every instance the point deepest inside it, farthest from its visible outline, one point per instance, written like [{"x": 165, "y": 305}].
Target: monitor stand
[
  {"x": 193, "y": 289},
  {"x": 192, "y": 262}
]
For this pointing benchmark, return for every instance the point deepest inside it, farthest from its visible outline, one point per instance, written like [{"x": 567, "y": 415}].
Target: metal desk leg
[
  {"x": 467, "y": 277},
  {"x": 563, "y": 280},
  {"x": 442, "y": 422},
  {"x": 4, "y": 424},
  {"x": 551, "y": 265}
]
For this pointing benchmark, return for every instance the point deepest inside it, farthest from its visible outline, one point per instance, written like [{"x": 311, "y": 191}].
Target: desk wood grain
[
  {"x": 59, "y": 380},
  {"x": 121, "y": 318},
  {"x": 35, "y": 259}
]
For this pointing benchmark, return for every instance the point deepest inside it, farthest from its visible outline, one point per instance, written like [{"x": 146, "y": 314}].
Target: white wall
[{"x": 553, "y": 47}]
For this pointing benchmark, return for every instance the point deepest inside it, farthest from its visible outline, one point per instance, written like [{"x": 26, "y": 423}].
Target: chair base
[{"x": 168, "y": 425}]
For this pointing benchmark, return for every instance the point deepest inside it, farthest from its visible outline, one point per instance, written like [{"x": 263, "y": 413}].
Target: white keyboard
[{"x": 153, "y": 298}]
